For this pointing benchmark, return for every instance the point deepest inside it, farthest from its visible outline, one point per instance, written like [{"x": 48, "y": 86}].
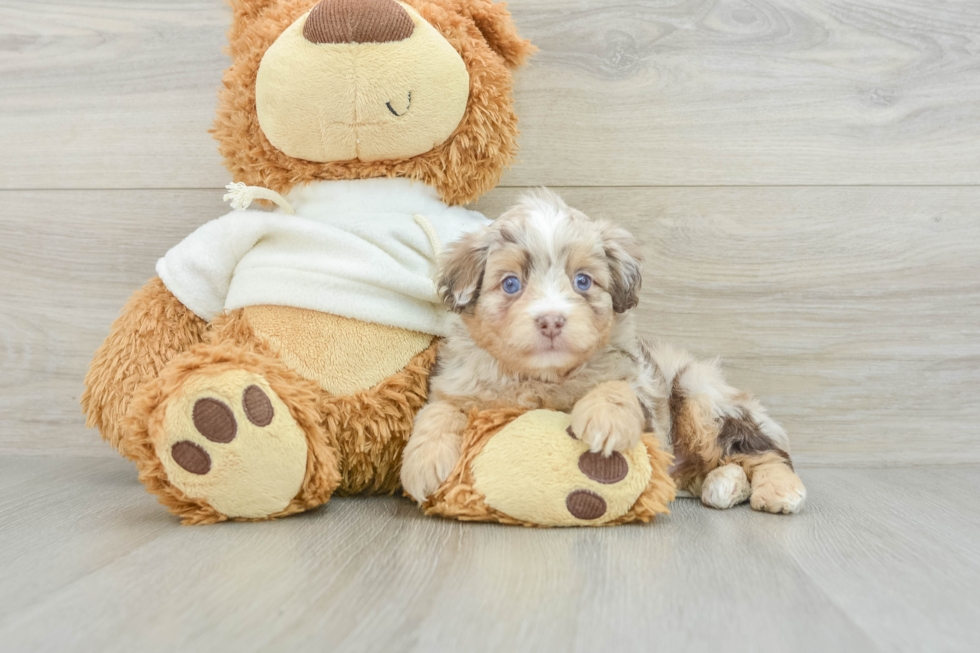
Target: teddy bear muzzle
[{"x": 338, "y": 83}]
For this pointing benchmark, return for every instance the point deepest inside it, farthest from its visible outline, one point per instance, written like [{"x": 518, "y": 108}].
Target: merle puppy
[{"x": 541, "y": 301}]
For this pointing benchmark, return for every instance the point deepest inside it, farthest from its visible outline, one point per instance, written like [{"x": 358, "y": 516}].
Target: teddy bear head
[{"x": 355, "y": 89}]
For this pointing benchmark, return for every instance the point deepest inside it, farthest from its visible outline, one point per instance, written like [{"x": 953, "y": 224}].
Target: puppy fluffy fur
[{"x": 541, "y": 302}]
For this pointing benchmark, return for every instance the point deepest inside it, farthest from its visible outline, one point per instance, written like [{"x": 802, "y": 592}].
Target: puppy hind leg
[
  {"x": 775, "y": 486},
  {"x": 749, "y": 437},
  {"x": 725, "y": 487},
  {"x": 726, "y": 445},
  {"x": 694, "y": 435}
]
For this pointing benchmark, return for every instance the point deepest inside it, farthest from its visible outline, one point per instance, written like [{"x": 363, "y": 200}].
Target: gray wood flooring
[{"x": 880, "y": 560}]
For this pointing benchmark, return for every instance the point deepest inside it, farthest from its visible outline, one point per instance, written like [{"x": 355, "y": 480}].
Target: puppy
[{"x": 541, "y": 302}]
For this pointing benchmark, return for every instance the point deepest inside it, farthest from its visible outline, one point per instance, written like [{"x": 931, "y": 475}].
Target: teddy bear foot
[
  {"x": 229, "y": 434},
  {"x": 230, "y": 441},
  {"x": 531, "y": 468}
]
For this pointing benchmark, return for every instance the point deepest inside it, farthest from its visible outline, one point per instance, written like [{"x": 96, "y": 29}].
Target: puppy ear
[
  {"x": 495, "y": 23},
  {"x": 625, "y": 259},
  {"x": 461, "y": 270}
]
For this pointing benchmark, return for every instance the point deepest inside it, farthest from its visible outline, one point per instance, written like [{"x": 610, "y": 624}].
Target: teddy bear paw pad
[
  {"x": 583, "y": 504},
  {"x": 604, "y": 469},
  {"x": 231, "y": 441}
]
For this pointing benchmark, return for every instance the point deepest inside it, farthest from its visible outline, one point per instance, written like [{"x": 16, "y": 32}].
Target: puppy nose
[
  {"x": 358, "y": 21},
  {"x": 550, "y": 324}
]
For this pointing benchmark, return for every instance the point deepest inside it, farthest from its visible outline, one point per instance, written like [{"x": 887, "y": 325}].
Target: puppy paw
[
  {"x": 427, "y": 463},
  {"x": 724, "y": 487},
  {"x": 782, "y": 494},
  {"x": 609, "y": 418}
]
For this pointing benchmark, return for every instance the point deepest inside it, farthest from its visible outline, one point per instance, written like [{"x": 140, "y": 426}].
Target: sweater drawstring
[
  {"x": 430, "y": 233},
  {"x": 433, "y": 236},
  {"x": 240, "y": 196}
]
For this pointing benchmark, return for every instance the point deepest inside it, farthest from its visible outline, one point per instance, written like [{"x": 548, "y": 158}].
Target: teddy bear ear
[{"x": 495, "y": 23}]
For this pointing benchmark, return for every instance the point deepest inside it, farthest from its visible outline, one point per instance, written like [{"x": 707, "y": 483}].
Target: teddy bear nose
[
  {"x": 550, "y": 324},
  {"x": 358, "y": 21}
]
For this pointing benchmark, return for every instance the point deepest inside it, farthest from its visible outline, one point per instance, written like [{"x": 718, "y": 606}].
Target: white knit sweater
[{"x": 353, "y": 248}]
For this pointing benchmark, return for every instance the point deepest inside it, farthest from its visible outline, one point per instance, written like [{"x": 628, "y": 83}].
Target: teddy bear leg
[
  {"x": 532, "y": 468},
  {"x": 228, "y": 433}
]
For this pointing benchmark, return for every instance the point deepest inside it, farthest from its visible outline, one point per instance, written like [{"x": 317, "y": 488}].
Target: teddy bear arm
[{"x": 153, "y": 327}]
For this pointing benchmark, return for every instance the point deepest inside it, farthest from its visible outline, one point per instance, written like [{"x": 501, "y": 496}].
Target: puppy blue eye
[
  {"x": 512, "y": 285},
  {"x": 583, "y": 282}
]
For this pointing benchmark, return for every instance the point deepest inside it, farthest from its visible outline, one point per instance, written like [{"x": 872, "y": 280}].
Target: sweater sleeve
[{"x": 199, "y": 269}]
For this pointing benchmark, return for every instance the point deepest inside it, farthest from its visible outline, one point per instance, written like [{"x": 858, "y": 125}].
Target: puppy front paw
[
  {"x": 427, "y": 463},
  {"x": 609, "y": 418}
]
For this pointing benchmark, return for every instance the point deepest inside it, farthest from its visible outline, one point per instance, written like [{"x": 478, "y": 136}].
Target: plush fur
[
  {"x": 152, "y": 329},
  {"x": 464, "y": 167},
  {"x": 557, "y": 342}
]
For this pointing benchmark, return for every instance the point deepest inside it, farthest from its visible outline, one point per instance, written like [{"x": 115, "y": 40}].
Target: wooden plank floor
[{"x": 880, "y": 560}]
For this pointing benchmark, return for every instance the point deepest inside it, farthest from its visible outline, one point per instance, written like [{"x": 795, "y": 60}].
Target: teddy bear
[{"x": 279, "y": 357}]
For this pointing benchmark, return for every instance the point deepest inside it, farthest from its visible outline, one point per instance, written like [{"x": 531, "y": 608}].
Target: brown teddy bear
[{"x": 281, "y": 356}]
